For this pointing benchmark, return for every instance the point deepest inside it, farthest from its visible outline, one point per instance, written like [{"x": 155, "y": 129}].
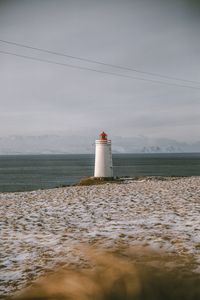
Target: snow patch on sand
[{"x": 40, "y": 229}]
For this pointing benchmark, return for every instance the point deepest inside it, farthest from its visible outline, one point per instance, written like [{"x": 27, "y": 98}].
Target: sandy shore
[{"x": 40, "y": 229}]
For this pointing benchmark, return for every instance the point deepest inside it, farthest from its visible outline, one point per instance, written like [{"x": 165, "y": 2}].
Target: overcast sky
[{"x": 161, "y": 37}]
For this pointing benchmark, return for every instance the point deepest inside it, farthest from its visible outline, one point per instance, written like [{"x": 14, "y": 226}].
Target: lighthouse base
[
  {"x": 96, "y": 180},
  {"x": 104, "y": 178}
]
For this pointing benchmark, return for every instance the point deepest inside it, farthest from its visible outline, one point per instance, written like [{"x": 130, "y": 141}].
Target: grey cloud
[{"x": 154, "y": 36}]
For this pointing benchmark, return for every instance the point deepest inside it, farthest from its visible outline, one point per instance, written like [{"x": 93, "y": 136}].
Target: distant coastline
[{"x": 64, "y": 144}]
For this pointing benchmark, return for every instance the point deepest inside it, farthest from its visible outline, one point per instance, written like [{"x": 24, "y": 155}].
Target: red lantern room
[{"x": 103, "y": 136}]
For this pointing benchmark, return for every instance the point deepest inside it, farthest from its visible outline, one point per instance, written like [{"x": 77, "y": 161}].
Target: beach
[{"x": 43, "y": 229}]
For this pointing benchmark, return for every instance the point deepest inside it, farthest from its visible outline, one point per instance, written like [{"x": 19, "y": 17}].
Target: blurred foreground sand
[{"x": 40, "y": 230}]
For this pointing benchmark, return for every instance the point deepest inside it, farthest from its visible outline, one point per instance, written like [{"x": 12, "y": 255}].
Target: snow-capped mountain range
[{"x": 61, "y": 144}]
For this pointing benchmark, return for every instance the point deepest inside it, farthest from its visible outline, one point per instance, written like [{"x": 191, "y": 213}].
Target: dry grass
[
  {"x": 122, "y": 274},
  {"x": 97, "y": 180}
]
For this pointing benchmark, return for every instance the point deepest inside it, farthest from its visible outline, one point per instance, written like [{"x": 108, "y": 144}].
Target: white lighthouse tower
[{"x": 103, "y": 157}]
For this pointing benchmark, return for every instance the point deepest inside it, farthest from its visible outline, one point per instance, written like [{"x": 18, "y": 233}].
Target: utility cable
[
  {"x": 95, "y": 70},
  {"x": 97, "y": 62}
]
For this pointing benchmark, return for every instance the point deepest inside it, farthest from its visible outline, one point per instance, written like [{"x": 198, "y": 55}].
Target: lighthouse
[{"x": 103, "y": 157}]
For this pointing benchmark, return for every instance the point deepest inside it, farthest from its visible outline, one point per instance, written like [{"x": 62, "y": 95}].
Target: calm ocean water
[{"x": 31, "y": 172}]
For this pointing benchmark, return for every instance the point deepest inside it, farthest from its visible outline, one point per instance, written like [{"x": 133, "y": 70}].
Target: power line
[
  {"x": 95, "y": 70},
  {"x": 97, "y": 62}
]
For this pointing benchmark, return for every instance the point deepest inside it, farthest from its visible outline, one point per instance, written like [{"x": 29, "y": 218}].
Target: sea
[{"x": 32, "y": 172}]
